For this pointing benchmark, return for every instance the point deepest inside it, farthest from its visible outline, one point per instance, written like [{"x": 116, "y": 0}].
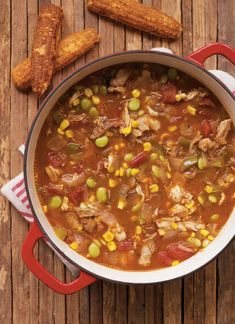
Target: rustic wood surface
[{"x": 207, "y": 296}]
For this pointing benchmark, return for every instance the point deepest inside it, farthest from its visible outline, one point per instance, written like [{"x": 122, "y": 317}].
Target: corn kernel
[
  {"x": 75, "y": 102},
  {"x": 177, "y": 97},
  {"x": 208, "y": 189},
  {"x": 168, "y": 175},
  {"x": 204, "y": 232},
  {"x": 88, "y": 92},
  {"x": 138, "y": 230},
  {"x": 172, "y": 128},
  {"x": 103, "y": 241},
  {"x": 125, "y": 130},
  {"x": 174, "y": 225},
  {"x": 79, "y": 228},
  {"x": 191, "y": 110},
  {"x": 117, "y": 172},
  {"x": 205, "y": 243},
  {"x": 112, "y": 183},
  {"x": 161, "y": 157},
  {"x": 74, "y": 245},
  {"x": 122, "y": 145},
  {"x": 69, "y": 133},
  {"x": 45, "y": 208},
  {"x": 135, "y": 93},
  {"x": 108, "y": 236},
  {"x": 161, "y": 232},
  {"x": 121, "y": 204},
  {"x": 95, "y": 100},
  {"x": 192, "y": 234},
  {"x": 134, "y": 171},
  {"x": 121, "y": 172},
  {"x": 141, "y": 112},
  {"x": 147, "y": 147},
  {"x": 174, "y": 263},
  {"x": 190, "y": 205},
  {"x": 134, "y": 218},
  {"x": 64, "y": 124},
  {"x": 134, "y": 123},
  {"x": 97, "y": 242},
  {"x": 128, "y": 172},
  {"x": 91, "y": 198},
  {"x": 210, "y": 237},
  {"x": 112, "y": 246},
  {"x": 116, "y": 147},
  {"x": 212, "y": 198},
  {"x": 163, "y": 136},
  {"x": 154, "y": 188},
  {"x": 60, "y": 132},
  {"x": 125, "y": 165}
]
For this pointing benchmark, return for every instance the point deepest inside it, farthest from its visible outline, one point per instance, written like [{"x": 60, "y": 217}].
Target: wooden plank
[
  {"x": 5, "y": 219},
  {"x": 188, "y": 299},
  {"x": 172, "y": 302},
  {"x": 158, "y": 303},
  {"x": 226, "y": 15},
  {"x": 187, "y": 21},
  {"x": 136, "y": 310},
  {"x": 20, "y": 274},
  {"x": 32, "y": 12},
  {"x": 156, "y": 40},
  {"x": 226, "y": 261},
  {"x": 96, "y": 295},
  {"x": 121, "y": 304}
]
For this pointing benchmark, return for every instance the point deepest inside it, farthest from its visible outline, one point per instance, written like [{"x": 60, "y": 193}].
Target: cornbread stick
[
  {"x": 137, "y": 15},
  {"x": 44, "y": 47},
  {"x": 69, "y": 49}
]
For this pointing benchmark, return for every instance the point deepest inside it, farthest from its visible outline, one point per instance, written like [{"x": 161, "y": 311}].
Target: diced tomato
[
  {"x": 139, "y": 159},
  {"x": 126, "y": 245},
  {"x": 54, "y": 159},
  {"x": 76, "y": 196},
  {"x": 168, "y": 92},
  {"x": 164, "y": 258},
  {"x": 207, "y": 102},
  {"x": 55, "y": 188},
  {"x": 78, "y": 168},
  {"x": 178, "y": 251},
  {"x": 206, "y": 128}
]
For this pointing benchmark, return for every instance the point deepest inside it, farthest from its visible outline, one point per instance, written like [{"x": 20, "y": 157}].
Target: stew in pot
[{"x": 135, "y": 167}]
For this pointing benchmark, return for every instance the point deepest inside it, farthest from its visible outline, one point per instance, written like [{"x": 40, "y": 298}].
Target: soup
[{"x": 135, "y": 167}]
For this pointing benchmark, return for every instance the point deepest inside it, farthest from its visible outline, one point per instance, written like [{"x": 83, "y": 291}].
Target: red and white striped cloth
[{"x": 15, "y": 192}]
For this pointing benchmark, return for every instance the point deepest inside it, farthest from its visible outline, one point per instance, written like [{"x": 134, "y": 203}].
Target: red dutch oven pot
[{"x": 89, "y": 270}]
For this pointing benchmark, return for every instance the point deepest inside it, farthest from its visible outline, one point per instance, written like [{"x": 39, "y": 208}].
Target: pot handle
[
  {"x": 45, "y": 276},
  {"x": 200, "y": 55}
]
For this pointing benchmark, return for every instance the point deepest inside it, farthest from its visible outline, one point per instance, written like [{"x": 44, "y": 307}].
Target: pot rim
[{"x": 27, "y": 184}]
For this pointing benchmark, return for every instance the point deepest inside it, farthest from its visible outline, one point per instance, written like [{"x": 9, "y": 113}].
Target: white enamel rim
[{"x": 129, "y": 277}]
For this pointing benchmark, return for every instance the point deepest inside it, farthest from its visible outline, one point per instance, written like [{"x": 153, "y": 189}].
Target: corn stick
[
  {"x": 137, "y": 15},
  {"x": 69, "y": 49}
]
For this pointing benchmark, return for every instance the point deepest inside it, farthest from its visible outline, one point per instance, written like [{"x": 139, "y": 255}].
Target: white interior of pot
[{"x": 151, "y": 276}]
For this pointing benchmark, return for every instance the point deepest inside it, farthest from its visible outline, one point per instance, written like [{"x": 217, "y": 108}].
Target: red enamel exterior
[
  {"x": 200, "y": 55},
  {"x": 35, "y": 233},
  {"x": 45, "y": 276}
]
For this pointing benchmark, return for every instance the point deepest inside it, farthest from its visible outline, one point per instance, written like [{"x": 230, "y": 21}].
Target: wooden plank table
[{"x": 207, "y": 296}]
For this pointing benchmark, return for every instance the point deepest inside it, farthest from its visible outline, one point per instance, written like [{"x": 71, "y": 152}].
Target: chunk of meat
[
  {"x": 77, "y": 195},
  {"x": 53, "y": 173},
  {"x": 76, "y": 119},
  {"x": 179, "y": 210},
  {"x": 222, "y": 131},
  {"x": 207, "y": 144},
  {"x": 168, "y": 92},
  {"x": 179, "y": 195},
  {"x": 180, "y": 251},
  {"x": 146, "y": 253},
  {"x": 107, "y": 218},
  {"x": 117, "y": 89},
  {"x": 56, "y": 159},
  {"x": 73, "y": 179},
  {"x": 120, "y": 78},
  {"x": 147, "y": 122},
  {"x": 103, "y": 124},
  {"x": 207, "y": 102},
  {"x": 54, "y": 188}
]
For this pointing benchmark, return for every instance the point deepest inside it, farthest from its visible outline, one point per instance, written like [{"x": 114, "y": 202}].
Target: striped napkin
[{"x": 15, "y": 191}]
